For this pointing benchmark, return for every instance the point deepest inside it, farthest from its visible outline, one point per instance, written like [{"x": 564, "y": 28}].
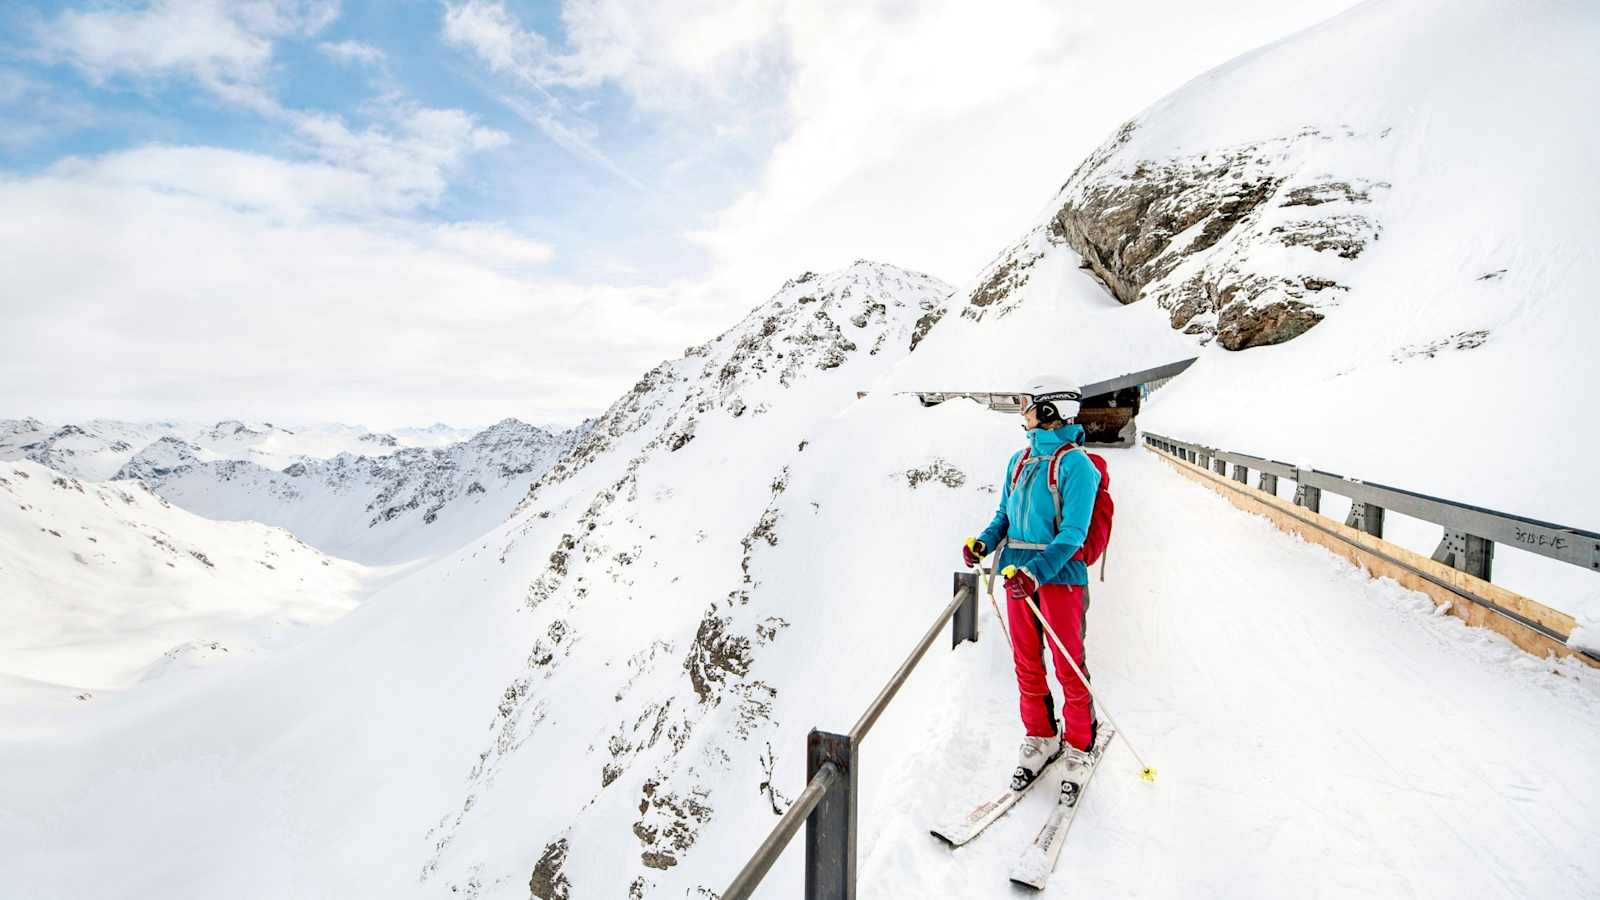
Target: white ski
[
  {"x": 1033, "y": 868},
  {"x": 959, "y": 829}
]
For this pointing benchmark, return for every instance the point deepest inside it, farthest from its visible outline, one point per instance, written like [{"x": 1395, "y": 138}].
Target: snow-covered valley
[
  {"x": 582, "y": 663},
  {"x": 106, "y": 586}
]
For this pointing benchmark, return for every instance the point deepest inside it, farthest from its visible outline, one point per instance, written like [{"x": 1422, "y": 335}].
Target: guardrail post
[
  {"x": 1366, "y": 517},
  {"x": 831, "y": 827},
  {"x": 1269, "y": 483},
  {"x": 1305, "y": 495},
  {"x": 1467, "y": 552},
  {"x": 1219, "y": 466},
  {"x": 964, "y": 624},
  {"x": 1241, "y": 474}
]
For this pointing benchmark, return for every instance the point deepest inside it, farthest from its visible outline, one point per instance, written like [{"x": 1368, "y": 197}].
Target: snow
[
  {"x": 1484, "y": 230},
  {"x": 105, "y": 585},
  {"x": 412, "y": 503},
  {"x": 1309, "y": 725},
  {"x": 1450, "y": 364},
  {"x": 610, "y": 689},
  {"x": 1059, "y": 321},
  {"x": 98, "y": 449},
  {"x": 1290, "y": 704}
]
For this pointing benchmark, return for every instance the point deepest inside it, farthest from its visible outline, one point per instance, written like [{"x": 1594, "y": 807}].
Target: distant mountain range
[{"x": 374, "y": 497}]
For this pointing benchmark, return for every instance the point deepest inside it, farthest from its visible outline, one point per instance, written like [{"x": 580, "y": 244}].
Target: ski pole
[{"x": 1146, "y": 772}]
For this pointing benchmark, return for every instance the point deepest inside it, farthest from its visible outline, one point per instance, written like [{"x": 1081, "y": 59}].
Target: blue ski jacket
[{"x": 1027, "y": 515}]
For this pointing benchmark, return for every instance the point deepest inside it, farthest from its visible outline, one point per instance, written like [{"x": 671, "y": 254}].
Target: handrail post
[
  {"x": 831, "y": 827},
  {"x": 1306, "y": 495},
  {"x": 1467, "y": 552},
  {"x": 964, "y": 624},
  {"x": 1366, "y": 517}
]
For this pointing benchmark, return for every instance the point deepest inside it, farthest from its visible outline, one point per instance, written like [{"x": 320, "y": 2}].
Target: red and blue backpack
[{"x": 1099, "y": 532}]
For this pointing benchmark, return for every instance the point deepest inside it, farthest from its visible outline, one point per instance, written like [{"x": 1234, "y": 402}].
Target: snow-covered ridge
[
  {"x": 658, "y": 520},
  {"x": 813, "y": 324},
  {"x": 402, "y": 505},
  {"x": 372, "y": 496},
  {"x": 98, "y": 448}
]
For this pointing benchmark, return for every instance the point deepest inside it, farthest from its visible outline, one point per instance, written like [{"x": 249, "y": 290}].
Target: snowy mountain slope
[
  {"x": 610, "y": 630},
  {"x": 406, "y": 504},
  {"x": 99, "y": 448},
  {"x": 1442, "y": 142},
  {"x": 103, "y": 585},
  {"x": 624, "y": 735},
  {"x": 1352, "y": 230}
]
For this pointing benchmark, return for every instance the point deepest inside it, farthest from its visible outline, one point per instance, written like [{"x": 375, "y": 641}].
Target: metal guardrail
[
  {"x": 827, "y": 806},
  {"x": 1470, "y": 532}
]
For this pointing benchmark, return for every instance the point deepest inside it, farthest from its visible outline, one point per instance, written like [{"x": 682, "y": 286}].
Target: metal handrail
[
  {"x": 1575, "y": 546},
  {"x": 756, "y": 869},
  {"x": 1470, "y": 532},
  {"x": 832, "y": 774}
]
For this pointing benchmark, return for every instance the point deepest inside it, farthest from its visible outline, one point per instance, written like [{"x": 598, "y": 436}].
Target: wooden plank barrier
[{"x": 1465, "y": 596}]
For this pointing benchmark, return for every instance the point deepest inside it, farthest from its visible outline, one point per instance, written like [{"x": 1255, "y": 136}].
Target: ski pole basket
[{"x": 827, "y": 806}]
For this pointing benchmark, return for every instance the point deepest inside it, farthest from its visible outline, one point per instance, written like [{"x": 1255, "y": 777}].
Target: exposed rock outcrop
[{"x": 1237, "y": 243}]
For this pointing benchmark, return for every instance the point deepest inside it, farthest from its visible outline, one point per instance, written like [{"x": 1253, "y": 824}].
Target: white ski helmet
[{"x": 1055, "y": 396}]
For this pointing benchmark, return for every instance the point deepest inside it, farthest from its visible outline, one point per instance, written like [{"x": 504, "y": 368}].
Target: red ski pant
[{"x": 1065, "y": 607}]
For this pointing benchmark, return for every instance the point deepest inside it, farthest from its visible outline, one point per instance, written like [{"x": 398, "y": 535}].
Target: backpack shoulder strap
[
  {"x": 1016, "y": 471},
  {"x": 1055, "y": 477}
]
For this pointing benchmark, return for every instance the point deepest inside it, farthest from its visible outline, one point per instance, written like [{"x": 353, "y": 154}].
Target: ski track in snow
[{"x": 1316, "y": 732}]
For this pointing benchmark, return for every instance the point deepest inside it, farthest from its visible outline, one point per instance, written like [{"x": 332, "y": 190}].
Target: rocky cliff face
[{"x": 1244, "y": 244}]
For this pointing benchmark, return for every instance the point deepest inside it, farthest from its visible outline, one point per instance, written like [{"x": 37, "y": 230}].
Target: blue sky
[
  {"x": 607, "y": 225},
  {"x": 389, "y": 212}
]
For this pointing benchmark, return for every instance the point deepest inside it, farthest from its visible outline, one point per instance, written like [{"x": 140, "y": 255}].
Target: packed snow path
[{"x": 1317, "y": 733}]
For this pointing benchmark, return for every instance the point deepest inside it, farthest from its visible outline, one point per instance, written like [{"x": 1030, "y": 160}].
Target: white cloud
[
  {"x": 932, "y": 134},
  {"x": 493, "y": 245},
  {"x": 352, "y": 52},
  {"x": 393, "y": 170},
  {"x": 409, "y": 160},
  {"x": 226, "y": 45},
  {"x": 680, "y": 56},
  {"x": 175, "y": 303},
  {"x": 926, "y": 134},
  {"x": 487, "y": 29}
]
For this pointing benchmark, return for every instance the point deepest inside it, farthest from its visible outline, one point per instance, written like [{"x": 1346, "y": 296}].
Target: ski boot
[
  {"x": 1035, "y": 755},
  {"x": 1079, "y": 764}
]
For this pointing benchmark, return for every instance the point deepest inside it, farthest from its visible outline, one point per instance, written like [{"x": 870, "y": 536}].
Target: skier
[{"x": 1039, "y": 531}]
